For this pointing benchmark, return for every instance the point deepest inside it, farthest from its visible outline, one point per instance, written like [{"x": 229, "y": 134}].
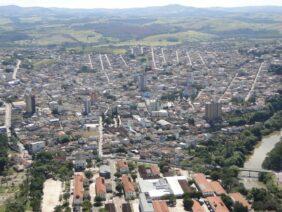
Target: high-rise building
[
  {"x": 93, "y": 98},
  {"x": 30, "y": 103},
  {"x": 213, "y": 111},
  {"x": 141, "y": 82},
  {"x": 87, "y": 104}
]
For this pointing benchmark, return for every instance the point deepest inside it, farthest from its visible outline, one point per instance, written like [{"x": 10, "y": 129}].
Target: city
[{"x": 149, "y": 128}]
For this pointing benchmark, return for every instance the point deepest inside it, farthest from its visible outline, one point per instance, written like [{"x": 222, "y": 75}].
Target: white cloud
[{"x": 137, "y": 3}]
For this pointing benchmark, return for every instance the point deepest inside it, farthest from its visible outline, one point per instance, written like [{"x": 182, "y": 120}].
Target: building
[
  {"x": 145, "y": 203},
  {"x": 78, "y": 190},
  {"x": 197, "y": 207},
  {"x": 79, "y": 164},
  {"x": 213, "y": 111},
  {"x": 100, "y": 187},
  {"x": 87, "y": 104},
  {"x": 155, "y": 188},
  {"x": 93, "y": 98},
  {"x": 128, "y": 187},
  {"x": 141, "y": 82},
  {"x": 122, "y": 167},
  {"x": 126, "y": 207},
  {"x": 203, "y": 184},
  {"x": 105, "y": 171},
  {"x": 30, "y": 103},
  {"x": 153, "y": 105},
  {"x": 237, "y": 197},
  {"x": 216, "y": 204},
  {"x": 160, "y": 206},
  {"x": 36, "y": 147},
  {"x": 217, "y": 188},
  {"x": 151, "y": 172},
  {"x": 110, "y": 207}
]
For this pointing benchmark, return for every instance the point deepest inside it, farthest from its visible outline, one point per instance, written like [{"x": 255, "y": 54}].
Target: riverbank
[
  {"x": 255, "y": 160},
  {"x": 263, "y": 147}
]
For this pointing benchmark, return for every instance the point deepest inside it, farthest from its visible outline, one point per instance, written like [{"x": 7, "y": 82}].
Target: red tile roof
[
  {"x": 202, "y": 182},
  {"x": 217, "y": 204},
  {"x": 160, "y": 206},
  {"x": 155, "y": 169},
  {"x": 78, "y": 186},
  {"x": 100, "y": 186},
  {"x": 217, "y": 188},
  {"x": 121, "y": 164},
  {"x": 127, "y": 184},
  {"x": 237, "y": 197},
  {"x": 197, "y": 207}
]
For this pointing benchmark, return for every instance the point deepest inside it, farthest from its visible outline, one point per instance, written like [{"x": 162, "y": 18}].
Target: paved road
[
  {"x": 100, "y": 148},
  {"x": 254, "y": 84},
  {"x": 201, "y": 59},
  {"x": 90, "y": 61},
  {"x": 8, "y": 117},
  {"x": 101, "y": 61},
  {"x": 153, "y": 58},
  {"x": 189, "y": 59},
  {"x": 123, "y": 60},
  {"x": 163, "y": 56},
  {"x": 16, "y": 69},
  {"x": 231, "y": 82},
  {"x": 177, "y": 56}
]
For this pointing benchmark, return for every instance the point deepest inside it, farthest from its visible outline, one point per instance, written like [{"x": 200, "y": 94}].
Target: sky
[{"x": 137, "y": 3}]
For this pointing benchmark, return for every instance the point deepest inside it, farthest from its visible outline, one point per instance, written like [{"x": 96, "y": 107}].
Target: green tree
[
  {"x": 88, "y": 174},
  {"x": 14, "y": 207},
  {"x": 119, "y": 188},
  {"x": 227, "y": 201},
  {"x": 188, "y": 203},
  {"x": 172, "y": 200},
  {"x": 238, "y": 207},
  {"x": 86, "y": 206},
  {"x": 98, "y": 201}
]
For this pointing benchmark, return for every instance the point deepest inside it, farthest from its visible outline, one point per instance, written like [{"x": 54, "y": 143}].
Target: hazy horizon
[{"x": 114, "y": 4}]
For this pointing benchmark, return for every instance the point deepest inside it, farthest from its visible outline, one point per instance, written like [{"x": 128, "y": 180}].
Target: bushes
[
  {"x": 273, "y": 160},
  {"x": 45, "y": 166},
  {"x": 3, "y": 153}
]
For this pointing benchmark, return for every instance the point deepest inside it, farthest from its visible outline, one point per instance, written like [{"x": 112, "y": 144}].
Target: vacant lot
[{"x": 52, "y": 190}]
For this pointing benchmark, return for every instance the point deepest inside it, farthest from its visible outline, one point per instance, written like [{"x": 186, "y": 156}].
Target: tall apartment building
[
  {"x": 213, "y": 111},
  {"x": 30, "y": 103}
]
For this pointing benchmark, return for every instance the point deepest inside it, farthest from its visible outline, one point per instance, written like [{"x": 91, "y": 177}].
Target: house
[
  {"x": 237, "y": 197},
  {"x": 78, "y": 190},
  {"x": 217, "y": 204},
  {"x": 160, "y": 206},
  {"x": 100, "y": 187},
  {"x": 109, "y": 187},
  {"x": 154, "y": 188},
  {"x": 217, "y": 188},
  {"x": 105, "y": 171},
  {"x": 122, "y": 167},
  {"x": 110, "y": 207},
  {"x": 203, "y": 185},
  {"x": 197, "y": 207},
  {"x": 36, "y": 147},
  {"x": 174, "y": 185},
  {"x": 79, "y": 164},
  {"x": 151, "y": 172},
  {"x": 128, "y": 187},
  {"x": 145, "y": 203},
  {"x": 185, "y": 186},
  {"x": 126, "y": 207}
]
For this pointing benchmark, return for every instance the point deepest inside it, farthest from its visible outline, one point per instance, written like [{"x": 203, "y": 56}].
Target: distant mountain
[
  {"x": 170, "y": 25},
  {"x": 159, "y": 11}
]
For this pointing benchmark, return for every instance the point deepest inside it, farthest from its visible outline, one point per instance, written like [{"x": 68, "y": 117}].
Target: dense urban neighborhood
[{"x": 146, "y": 128}]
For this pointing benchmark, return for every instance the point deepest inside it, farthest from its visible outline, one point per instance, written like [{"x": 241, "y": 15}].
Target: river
[{"x": 256, "y": 159}]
